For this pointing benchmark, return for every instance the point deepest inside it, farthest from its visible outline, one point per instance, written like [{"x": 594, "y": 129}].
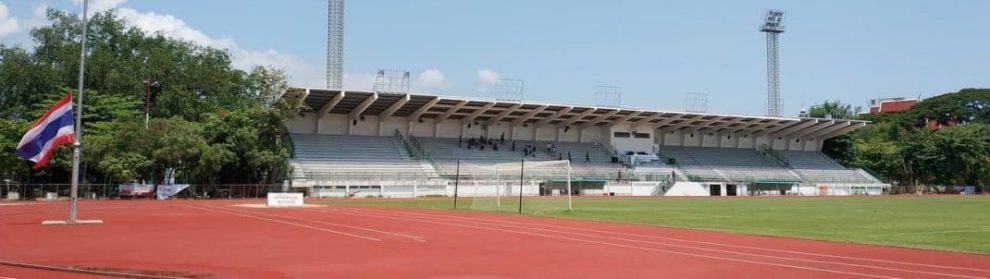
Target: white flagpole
[{"x": 77, "y": 145}]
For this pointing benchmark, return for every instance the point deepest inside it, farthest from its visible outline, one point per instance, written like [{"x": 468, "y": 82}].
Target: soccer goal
[{"x": 531, "y": 186}]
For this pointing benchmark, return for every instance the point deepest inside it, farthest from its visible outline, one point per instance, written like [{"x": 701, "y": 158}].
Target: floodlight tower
[
  {"x": 335, "y": 45},
  {"x": 608, "y": 96},
  {"x": 773, "y": 26},
  {"x": 508, "y": 90},
  {"x": 392, "y": 81}
]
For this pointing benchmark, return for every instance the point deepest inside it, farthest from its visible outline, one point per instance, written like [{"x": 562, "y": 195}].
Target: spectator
[
  {"x": 495, "y": 147},
  {"x": 587, "y": 157},
  {"x": 502, "y": 138},
  {"x": 569, "y": 159},
  {"x": 459, "y": 139},
  {"x": 513, "y": 146}
]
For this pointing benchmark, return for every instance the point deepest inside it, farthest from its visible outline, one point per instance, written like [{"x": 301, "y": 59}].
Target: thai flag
[{"x": 47, "y": 133}]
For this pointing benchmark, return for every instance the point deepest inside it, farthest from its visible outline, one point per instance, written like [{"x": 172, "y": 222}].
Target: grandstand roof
[{"x": 488, "y": 111}]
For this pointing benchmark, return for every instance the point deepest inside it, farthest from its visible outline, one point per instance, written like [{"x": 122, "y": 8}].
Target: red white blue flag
[{"x": 55, "y": 128}]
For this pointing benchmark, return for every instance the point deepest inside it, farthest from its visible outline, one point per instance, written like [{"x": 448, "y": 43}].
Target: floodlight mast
[
  {"x": 773, "y": 26},
  {"x": 335, "y": 45}
]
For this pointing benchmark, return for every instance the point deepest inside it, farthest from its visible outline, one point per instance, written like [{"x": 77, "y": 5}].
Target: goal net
[{"x": 529, "y": 186}]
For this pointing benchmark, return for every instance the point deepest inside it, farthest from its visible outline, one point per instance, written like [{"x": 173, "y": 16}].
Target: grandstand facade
[{"x": 389, "y": 144}]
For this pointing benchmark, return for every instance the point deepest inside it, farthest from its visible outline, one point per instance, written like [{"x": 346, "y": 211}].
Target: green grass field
[{"x": 954, "y": 223}]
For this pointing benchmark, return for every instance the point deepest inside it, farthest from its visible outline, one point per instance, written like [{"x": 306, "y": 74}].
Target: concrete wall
[
  {"x": 701, "y": 189},
  {"x": 631, "y": 143},
  {"x": 305, "y": 124},
  {"x": 687, "y": 189}
]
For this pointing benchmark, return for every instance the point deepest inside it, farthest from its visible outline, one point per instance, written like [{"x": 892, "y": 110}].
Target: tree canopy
[
  {"x": 209, "y": 121},
  {"x": 905, "y": 146},
  {"x": 832, "y": 109}
]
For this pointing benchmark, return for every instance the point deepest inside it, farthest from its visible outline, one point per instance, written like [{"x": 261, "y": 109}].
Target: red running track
[{"x": 214, "y": 239}]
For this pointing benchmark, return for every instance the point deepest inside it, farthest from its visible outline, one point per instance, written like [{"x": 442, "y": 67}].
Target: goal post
[{"x": 513, "y": 186}]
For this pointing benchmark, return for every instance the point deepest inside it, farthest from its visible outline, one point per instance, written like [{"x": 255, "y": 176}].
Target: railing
[
  {"x": 623, "y": 159},
  {"x": 422, "y": 153},
  {"x": 868, "y": 171},
  {"x": 774, "y": 157},
  {"x": 405, "y": 143}
]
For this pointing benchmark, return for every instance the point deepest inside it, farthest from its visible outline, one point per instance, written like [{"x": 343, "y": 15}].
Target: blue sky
[{"x": 656, "y": 51}]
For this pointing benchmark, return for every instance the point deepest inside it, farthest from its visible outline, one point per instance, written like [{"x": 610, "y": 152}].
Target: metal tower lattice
[
  {"x": 508, "y": 90},
  {"x": 608, "y": 96},
  {"x": 335, "y": 45},
  {"x": 773, "y": 26},
  {"x": 392, "y": 81},
  {"x": 696, "y": 102}
]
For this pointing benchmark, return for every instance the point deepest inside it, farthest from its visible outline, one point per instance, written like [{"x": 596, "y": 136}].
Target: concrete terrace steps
[
  {"x": 339, "y": 157},
  {"x": 729, "y": 164},
  {"x": 446, "y": 152}
]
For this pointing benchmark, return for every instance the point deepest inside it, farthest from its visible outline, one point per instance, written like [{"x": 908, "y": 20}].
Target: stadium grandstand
[{"x": 389, "y": 144}]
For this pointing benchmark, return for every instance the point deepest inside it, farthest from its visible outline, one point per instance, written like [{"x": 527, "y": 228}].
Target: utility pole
[{"x": 148, "y": 83}]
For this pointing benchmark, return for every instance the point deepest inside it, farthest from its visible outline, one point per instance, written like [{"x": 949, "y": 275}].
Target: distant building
[{"x": 889, "y": 105}]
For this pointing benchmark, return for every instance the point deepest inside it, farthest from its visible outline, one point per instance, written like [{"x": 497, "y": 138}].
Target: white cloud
[
  {"x": 359, "y": 81},
  {"x": 430, "y": 79},
  {"x": 487, "y": 77},
  {"x": 300, "y": 73},
  {"x": 173, "y": 27},
  {"x": 99, "y": 5},
  {"x": 8, "y": 23}
]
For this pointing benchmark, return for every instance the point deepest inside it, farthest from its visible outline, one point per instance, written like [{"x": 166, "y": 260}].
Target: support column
[
  {"x": 317, "y": 121},
  {"x": 350, "y": 125}
]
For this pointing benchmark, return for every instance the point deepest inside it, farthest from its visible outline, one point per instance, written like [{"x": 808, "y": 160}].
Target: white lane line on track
[
  {"x": 943, "y": 232},
  {"x": 711, "y": 249},
  {"x": 699, "y": 242},
  {"x": 288, "y": 223},
  {"x": 88, "y": 209},
  {"x": 413, "y": 237},
  {"x": 626, "y": 246},
  {"x": 1, "y": 277}
]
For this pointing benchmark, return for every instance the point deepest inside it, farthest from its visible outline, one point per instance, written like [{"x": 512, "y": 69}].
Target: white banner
[
  {"x": 167, "y": 191},
  {"x": 135, "y": 190},
  {"x": 285, "y": 199}
]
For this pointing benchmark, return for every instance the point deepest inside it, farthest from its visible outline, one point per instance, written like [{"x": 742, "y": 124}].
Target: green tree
[
  {"x": 832, "y": 109},
  {"x": 210, "y": 122}
]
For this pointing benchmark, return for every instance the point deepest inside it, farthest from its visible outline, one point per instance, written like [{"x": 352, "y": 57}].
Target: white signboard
[
  {"x": 285, "y": 199},
  {"x": 167, "y": 191}
]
